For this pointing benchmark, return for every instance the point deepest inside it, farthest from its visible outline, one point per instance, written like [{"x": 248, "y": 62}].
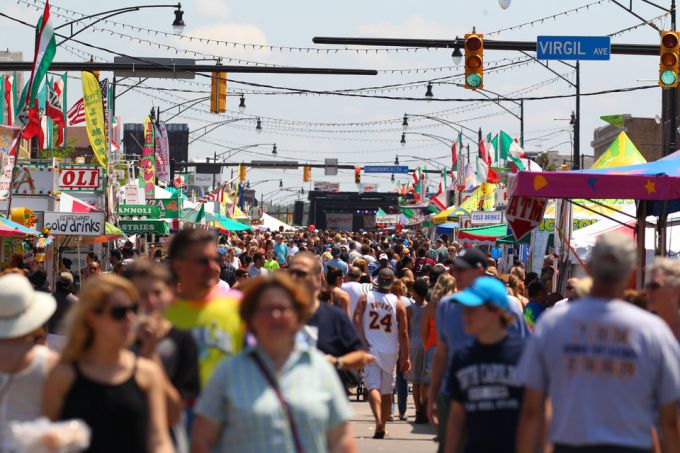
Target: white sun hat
[{"x": 22, "y": 309}]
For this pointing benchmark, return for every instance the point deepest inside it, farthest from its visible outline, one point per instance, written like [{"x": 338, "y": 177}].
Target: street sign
[
  {"x": 385, "y": 169},
  {"x": 524, "y": 214},
  {"x": 486, "y": 217},
  {"x": 573, "y": 47},
  {"x": 330, "y": 167},
  {"x": 169, "y": 63}
]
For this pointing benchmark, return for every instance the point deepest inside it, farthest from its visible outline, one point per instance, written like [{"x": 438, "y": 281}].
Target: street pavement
[{"x": 402, "y": 436}]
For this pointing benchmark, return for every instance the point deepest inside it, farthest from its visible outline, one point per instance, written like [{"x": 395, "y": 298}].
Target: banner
[
  {"x": 136, "y": 210},
  {"x": 80, "y": 177},
  {"x": 144, "y": 226},
  {"x": 169, "y": 207},
  {"x": 94, "y": 117},
  {"x": 148, "y": 159},
  {"x": 162, "y": 153},
  {"x": 70, "y": 224},
  {"x": 34, "y": 179},
  {"x": 8, "y": 141}
]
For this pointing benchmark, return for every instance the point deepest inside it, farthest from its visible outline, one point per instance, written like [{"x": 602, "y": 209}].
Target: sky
[{"x": 357, "y": 130}]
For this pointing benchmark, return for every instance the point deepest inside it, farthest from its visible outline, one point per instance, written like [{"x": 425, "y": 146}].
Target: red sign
[
  {"x": 524, "y": 214},
  {"x": 80, "y": 178}
]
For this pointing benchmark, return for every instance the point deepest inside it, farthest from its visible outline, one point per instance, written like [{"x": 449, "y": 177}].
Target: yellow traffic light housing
[
  {"x": 668, "y": 59},
  {"x": 474, "y": 61},
  {"x": 242, "y": 172},
  {"x": 218, "y": 92},
  {"x": 307, "y": 173}
]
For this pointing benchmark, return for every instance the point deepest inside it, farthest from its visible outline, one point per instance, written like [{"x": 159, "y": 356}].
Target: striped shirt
[{"x": 239, "y": 399}]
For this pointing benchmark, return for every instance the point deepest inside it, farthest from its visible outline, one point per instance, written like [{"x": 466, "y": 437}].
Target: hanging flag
[
  {"x": 162, "y": 152},
  {"x": 470, "y": 180},
  {"x": 439, "y": 201},
  {"x": 483, "y": 153},
  {"x": 511, "y": 151},
  {"x": 482, "y": 170},
  {"x": 148, "y": 162},
  {"x": 614, "y": 120},
  {"x": 10, "y": 96},
  {"x": 460, "y": 171},
  {"x": 45, "y": 49},
  {"x": 94, "y": 118},
  {"x": 53, "y": 106},
  {"x": 3, "y": 102},
  {"x": 9, "y": 137}
]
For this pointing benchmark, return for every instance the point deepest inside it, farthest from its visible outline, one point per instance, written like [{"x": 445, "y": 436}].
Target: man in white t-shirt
[{"x": 354, "y": 288}]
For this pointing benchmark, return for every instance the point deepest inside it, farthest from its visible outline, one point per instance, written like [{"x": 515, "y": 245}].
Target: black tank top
[{"x": 117, "y": 414}]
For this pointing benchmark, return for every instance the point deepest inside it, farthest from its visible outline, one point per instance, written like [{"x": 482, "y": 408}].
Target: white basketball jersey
[{"x": 380, "y": 322}]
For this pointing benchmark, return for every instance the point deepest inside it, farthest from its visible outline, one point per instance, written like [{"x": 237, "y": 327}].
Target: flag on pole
[
  {"x": 470, "y": 180},
  {"x": 45, "y": 50},
  {"x": 10, "y": 96},
  {"x": 53, "y": 106},
  {"x": 510, "y": 150}
]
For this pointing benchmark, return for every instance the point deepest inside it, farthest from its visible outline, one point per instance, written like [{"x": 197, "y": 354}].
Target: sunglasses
[
  {"x": 298, "y": 273},
  {"x": 205, "y": 261},
  {"x": 120, "y": 312},
  {"x": 569, "y": 288},
  {"x": 652, "y": 286}
]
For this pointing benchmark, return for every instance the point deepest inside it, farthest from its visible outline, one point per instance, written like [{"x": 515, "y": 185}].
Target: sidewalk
[{"x": 402, "y": 436}]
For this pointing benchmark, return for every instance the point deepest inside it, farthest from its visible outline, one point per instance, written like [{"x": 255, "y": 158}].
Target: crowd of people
[{"x": 255, "y": 341}]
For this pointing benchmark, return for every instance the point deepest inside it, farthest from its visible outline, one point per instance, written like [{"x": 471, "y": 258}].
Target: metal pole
[
  {"x": 577, "y": 120},
  {"x": 214, "y": 174},
  {"x": 521, "y": 123},
  {"x": 673, "y": 123}
]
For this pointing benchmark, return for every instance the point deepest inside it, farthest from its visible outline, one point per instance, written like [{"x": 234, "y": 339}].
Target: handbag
[{"x": 284, "y": 404}]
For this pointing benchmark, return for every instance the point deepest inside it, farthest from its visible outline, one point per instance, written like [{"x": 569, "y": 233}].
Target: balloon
[
  {"x": 24, "y": 216},
  {"x": 312, "y": 228}
]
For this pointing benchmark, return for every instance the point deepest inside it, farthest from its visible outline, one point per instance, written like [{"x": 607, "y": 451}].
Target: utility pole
[
  {"x": 673, "y": 120},
  {"x": 577, "y": 120}
]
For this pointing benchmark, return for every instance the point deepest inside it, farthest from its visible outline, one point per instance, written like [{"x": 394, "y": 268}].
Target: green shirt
[{"x": 271, "y": 265}]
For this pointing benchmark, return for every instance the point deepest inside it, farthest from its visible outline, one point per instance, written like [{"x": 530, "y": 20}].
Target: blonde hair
[
  {"x": 398, "y": 288},
  {"x": 93, "y": 297},
  {"x": 445, "y": 285},
  {"x": 669, "y": 268}
]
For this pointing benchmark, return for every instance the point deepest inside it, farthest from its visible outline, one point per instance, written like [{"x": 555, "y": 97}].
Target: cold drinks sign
[{"x": 75, "y": 224}]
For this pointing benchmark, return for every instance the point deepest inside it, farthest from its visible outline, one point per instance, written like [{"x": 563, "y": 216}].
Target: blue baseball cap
[
  {"x": 484, "y": 290},
  {"x": 221, "y": 250}
]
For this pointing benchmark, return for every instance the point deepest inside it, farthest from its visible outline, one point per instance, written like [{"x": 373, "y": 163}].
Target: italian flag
[
  {"x": 510, "y": 150},
  {"x": 484, "y": 171},
  {"x": 45, "y": 50},
  {"x": 438, "y": 201}
]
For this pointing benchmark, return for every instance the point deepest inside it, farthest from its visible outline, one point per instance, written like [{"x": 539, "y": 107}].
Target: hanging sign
[
  {"x": 8, "y": 141},
  {"x": 387, "y": 219},
  {"x": 134, "y": 194},
  {"x": 143, "y": 226},
  {"x": 148, "y": 161},
  {"x": 34, "y": 179},
  {"x": 75, "y": 224},
  {"x": 169, "y": 207},
  {"x": 136, "y": 210},
  {"x": 524, "y": 214},
  {"x": 80, "y": 178},
  {"x": 486, "y": 217}
]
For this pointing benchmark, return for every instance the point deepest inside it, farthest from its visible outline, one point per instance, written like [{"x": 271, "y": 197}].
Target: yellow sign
[
  {"x": 94, "y": 117},
  {"x": 549, "y": 224}
]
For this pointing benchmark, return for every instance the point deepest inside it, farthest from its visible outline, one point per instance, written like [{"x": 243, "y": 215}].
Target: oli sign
[{"x": 80, "y": 178}]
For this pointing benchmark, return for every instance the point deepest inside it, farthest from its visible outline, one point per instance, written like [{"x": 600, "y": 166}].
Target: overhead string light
[{"x": 38, "y": 4}]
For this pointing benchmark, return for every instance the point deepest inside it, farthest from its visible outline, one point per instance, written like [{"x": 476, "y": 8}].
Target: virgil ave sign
[{"x": 573, "y": 47}]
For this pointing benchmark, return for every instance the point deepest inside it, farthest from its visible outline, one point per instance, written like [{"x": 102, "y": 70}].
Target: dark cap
[
  {"x": 384, "y": 280},
  {"x": 470, "y": 258},
  {"x": 335, "y": 251}
]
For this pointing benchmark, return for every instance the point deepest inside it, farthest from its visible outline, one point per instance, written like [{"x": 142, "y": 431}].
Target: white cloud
[
  {"x": 227, "y": 31},
  {"x": 412, "y": 27},
  {"x": 213, "y": 8}
]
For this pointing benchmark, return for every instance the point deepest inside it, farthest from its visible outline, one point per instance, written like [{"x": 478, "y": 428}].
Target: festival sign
[
  {"x": 144, "y": 226},
  {"x": 524, "y": 214},
  {"x": 75, "y": 224},
  {"x": 80, "y": 178},
  {"x": 387, "y": 219},
  {"x": 8, "y": 140},
  {"x": 577, "y": 224},
  {"x": 135, "y": 210},
  {"x": 169, "y": 207},
  {"x": 94, "y": 117},
  {"x": 162, "y": 152},
  {"x": 34, "y": 179},
  {"x": 486, "y": 217},
  {"x": 148, "y": 161}
]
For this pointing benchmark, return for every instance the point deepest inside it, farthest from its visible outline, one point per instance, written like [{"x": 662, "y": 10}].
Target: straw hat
[{"x": 22, "y": 310}]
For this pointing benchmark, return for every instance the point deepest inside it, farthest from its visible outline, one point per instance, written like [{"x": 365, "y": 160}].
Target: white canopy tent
[{"x": 273, "y": 224}]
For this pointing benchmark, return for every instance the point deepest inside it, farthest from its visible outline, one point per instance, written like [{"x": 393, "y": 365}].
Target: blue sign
[
  {"x": 573, "y": 47},
  {"x": 385, "y": 169}
]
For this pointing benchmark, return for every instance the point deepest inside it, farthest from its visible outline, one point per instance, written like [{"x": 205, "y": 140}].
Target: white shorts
[{"x": 377, "y": 378}]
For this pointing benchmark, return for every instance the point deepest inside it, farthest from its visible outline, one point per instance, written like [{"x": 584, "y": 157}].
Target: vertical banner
[
  {"x": 2, "y": 99},
  {"x": 149, "y": 160},
  {"x": 8, "y": 141},
  {"x": 162, "y": 153},
  {"x": 94, "y": 117}
]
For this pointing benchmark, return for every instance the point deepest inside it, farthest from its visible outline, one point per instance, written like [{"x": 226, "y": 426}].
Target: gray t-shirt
[{"x": 607, "y": 367}]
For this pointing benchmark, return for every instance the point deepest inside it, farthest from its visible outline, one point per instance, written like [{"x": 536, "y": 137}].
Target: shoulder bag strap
[{"x": 286, "y": 407}]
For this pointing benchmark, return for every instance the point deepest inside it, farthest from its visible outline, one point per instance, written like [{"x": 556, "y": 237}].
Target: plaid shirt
[{"x": 239, "y": 399}]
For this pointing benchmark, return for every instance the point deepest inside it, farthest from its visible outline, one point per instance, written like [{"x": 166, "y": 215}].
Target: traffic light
[
  {"x": 357, "y": 175},
  {"x": 474, "y": 61},
  {"x": 218, "y": 92},
  {"x": 242, "y": 172},
  {"x": 307, "y": 173},
  {"x": 668, "y": 64}
]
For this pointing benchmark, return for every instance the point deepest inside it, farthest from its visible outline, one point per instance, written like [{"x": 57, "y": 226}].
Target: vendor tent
[
  {"x": 227, "y": 224},
  {"x": 273, "y": 224},
  {"x": 449, "y": 215},
  {"x": 486, "y": 235},
  {"x": 111, "y": 233},
  {"x": 9, "y": 228}
]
